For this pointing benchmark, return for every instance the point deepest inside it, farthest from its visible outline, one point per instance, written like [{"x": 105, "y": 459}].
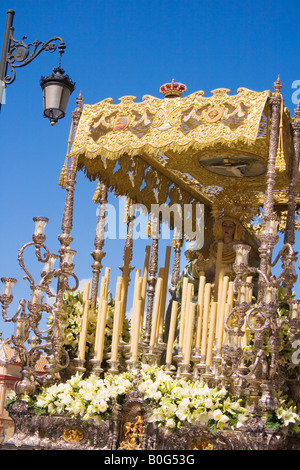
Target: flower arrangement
[
  {"x": 73, "y": 309},
  {"x": 179, "y": 401},
  {"x": 87, "y": 398},
  {"x": 172, "y": 402},
  {"x": 287, "y": 365}
]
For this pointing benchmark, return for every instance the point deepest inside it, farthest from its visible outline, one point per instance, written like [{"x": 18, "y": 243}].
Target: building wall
[{"x": 9, "y": 374}]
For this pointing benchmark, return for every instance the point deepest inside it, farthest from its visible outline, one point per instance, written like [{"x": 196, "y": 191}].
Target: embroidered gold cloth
[{"x": 178, "y": 149}]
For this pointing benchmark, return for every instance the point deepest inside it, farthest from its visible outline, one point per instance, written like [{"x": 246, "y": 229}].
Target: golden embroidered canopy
[{"x": 178, "y": 149}]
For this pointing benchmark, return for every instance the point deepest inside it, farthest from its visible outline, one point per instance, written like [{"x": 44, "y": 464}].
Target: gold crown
[
  {"x": 236, "y": 202},
  {"x": 172, "y": 90}
]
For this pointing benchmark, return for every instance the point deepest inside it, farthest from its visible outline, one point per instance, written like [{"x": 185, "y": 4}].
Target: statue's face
[{"x": 228, "y": 228}]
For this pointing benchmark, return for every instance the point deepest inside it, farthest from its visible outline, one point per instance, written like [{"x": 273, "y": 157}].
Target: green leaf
[{"x": 272, "y": 422}]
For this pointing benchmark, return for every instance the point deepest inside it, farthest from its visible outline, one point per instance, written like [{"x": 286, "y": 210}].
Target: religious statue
[{"x": 216, "y": 257}]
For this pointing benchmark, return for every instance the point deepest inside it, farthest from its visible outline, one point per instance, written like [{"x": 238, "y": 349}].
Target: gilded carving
[{"x": 73, "y": 435}]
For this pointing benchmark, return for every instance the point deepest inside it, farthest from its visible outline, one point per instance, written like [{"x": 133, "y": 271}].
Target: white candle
[
  {"x": 136, "y": 296},
  {"x": 156, "y": 310},
  {"x": 207, "y": 292},
  {"x": 165, "y": 277},
  {"x": 182, "y": 312},
  {"x": 200, "y": 310},
  {"x": 135, "y": 339},
  {"x": 84, "y": 325},
  {"x": 189, "y": 297},
  {"x": 211, "y": 335},
  {"x": 230, "y": 294},
  {"x": 171, "y": 332},
  {"x": 115, "y": 336},
  {"x": 145, "y": 274},
  {"x": 221, "y": 312},
  {"x": 100, "y": 333},
  {"x": 189, "y": 335}
]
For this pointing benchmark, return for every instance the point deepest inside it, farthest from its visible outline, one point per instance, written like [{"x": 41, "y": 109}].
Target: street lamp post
[{"x": 57, "y": 88}]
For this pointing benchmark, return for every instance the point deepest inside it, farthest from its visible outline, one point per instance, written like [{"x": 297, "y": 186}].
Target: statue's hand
[{"x": 202, "y": 264}]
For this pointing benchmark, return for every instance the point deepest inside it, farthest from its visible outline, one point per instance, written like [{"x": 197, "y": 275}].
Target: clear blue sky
[{"x": 117, "y": 48}]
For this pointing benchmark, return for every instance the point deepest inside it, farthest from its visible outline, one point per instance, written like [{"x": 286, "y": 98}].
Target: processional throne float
[{"x": 231, "y": 340}]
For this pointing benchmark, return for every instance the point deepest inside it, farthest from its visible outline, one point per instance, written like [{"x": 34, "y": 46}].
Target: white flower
[
  {"x": 170, "y": 423},
  {"x": 223, "y": 419},
  {"x": 12, "y": 395},
  {"x": 77, "y": 407},
  {"x": 102, "y": 406},
  {"x": 223, "y": 392},
  {"x": 217, "y": 414},
  {"x": 182, "y": 414},
  {"x": 288, "y": 416},
  {"x": 208, "y": 403}
]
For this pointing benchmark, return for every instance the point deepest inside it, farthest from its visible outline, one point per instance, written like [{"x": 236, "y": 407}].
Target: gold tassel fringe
[
  {"x": 97, "y": 193},
  {"x": 280, "y": 160},
  {"x": 64, "y": 172}
]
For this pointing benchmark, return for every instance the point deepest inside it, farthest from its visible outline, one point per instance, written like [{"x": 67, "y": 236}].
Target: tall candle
[
  {"x": 135, "y": 324},
  {"x": 100, "y": 334},
  {"x": 230, "y": 294},
  {"x": 102, "y": 289},
  {"x": 172, "y": 328},
  {"x": 219, "y": 297},
  {"x": 160, "y": 318},
  {"x": 145, "y": 273},
  {"x": 189, "y": 336},
  {"x": 107, "y": 273},
  {"x": 211, "y": 335},
  {"x": 200, "y": 310},
  {"x": 189, "y": 298},
  {"x": 118, "y": 289},
  {"x": 207, "y": 293},
  {"x": 136, "y": 297},
  {"x": 156, "y": 309},
  {"x": 182, "y": 312},
  {"x": 135, "y": 342},
  {"x": 101, "y": 297},
  {"x": 227, "y": 311},
  {"x": 115, "y": 336},
  {"x": 166, "y": 275},
  {"x": 221, "y": 312},
  {"x": 84, "y": 325}
]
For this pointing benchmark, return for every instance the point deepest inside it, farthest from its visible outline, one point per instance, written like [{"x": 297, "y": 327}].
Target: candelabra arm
[{"x": 21, "y": 308}]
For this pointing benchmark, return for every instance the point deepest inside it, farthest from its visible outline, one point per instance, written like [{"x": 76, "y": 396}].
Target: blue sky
[{"x": 117, "y": 48}]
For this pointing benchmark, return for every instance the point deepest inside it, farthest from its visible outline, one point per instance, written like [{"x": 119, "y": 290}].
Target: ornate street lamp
[{"x": 57, "y": 87}]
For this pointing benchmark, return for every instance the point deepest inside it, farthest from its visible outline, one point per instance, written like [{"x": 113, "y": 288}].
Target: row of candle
[
  {"x": 201, "y": 323},
  {"x": 139, "y": 297},
  {"x": 200, "y": 328}
]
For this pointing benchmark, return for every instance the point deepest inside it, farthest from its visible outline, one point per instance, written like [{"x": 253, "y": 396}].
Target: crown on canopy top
[{"x": 172, "y": 90}]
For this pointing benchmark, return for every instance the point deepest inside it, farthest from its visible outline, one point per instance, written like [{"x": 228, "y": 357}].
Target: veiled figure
[{"x": 217, "y": 256}]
